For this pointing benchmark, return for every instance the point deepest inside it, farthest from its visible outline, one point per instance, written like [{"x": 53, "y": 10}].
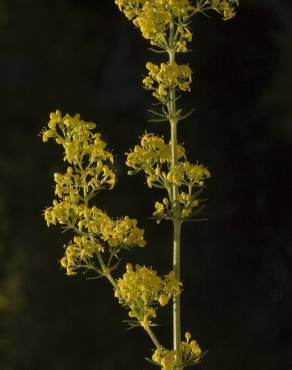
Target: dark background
[{"x": 84, "y": 56}]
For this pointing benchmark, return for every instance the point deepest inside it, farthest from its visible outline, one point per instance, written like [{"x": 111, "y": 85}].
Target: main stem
[{"x": 176, "y": 221}]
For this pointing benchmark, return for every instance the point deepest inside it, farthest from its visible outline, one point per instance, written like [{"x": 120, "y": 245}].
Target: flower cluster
[
  {"x": 79, "y": 142},
  {"x": 191, "y": 350},
  {"x": 88, "y": 173},
  {"x": 167, "y": 76},
  {"x": 225, "y": 8},
  {"x": 99, "y": 233},
  {"x": 81, "y": 254},
  {"x": 142, "y": 290},
  {"x": 166, "y": 24},
  {"x": 153, "y": 156},
  {"x": 150, "y": 156},
  {"x": 154, "y": 17},
  {"x": 185, "y": 173},
  {"x": 165, "y": 358},
  {"x": 191, "y": 355}
]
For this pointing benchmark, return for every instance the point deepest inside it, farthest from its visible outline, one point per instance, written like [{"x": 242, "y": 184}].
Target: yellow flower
[
  {"x": 151, "y": 154},
  {"x": 167, "y": 76},
  {"x": 225, "y": 8},
  {"x": 153, "y": 18},
  {"x": 191, "y": 350},
  {"x": 141, "y": 289},
  {"x": 159, "y": 209},
  {"x": 165, "y": 358},
  {"x": 89, "y": 172}
]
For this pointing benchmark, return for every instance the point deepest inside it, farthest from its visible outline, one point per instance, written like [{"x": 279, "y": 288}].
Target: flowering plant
[{"x": 98, "y": 239}]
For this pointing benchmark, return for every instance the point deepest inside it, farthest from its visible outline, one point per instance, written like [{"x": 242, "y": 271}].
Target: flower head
[
  {"x": 142, "y": 290},
  {"x": 89, "y": 171}
]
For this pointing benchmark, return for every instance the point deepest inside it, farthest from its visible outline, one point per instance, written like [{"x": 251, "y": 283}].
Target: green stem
[
  {"x": 153, "y": 337},
  {"x": 176, "y": 221},
  {"x": 110, "y": 278},
  {"x": 176, "y": 298}
]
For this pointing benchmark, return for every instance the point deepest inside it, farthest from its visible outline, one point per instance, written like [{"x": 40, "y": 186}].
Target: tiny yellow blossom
[
  {"x": 191, "y": 350},
  {"x": 188, "y": 336},
  {"x": 159, "y": 209}
]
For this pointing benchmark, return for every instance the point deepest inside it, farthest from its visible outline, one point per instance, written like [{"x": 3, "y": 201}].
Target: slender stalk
[
  {"x": 110, "y": 278},
  {"x": 176, "y": 222},
  {"x": 153, "y": 337},
  {"x": 176, "y": 298}
]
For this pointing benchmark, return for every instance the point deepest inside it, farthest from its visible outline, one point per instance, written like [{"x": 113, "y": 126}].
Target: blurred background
[{"x": 84, "y": 56}]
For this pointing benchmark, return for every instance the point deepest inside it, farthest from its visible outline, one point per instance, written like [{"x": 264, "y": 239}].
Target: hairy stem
[{"x": 176, "y": 221}]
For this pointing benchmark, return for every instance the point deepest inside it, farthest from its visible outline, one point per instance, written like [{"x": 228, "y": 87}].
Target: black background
[{"x": 84, "y": 56}]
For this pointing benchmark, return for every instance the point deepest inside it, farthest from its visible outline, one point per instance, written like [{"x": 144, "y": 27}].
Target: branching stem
[{"x": 172, "y": 110}]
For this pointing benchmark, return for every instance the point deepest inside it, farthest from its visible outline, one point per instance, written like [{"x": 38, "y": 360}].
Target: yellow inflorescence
[
  {"x": 153, "y": 17},
  {"x": 191, "y": 355},
  {"x": 153, "y": 156},
  {"x": 77, "y": 139},
  {"x": 225, "y": 7},
  {"x": 167, "y": 76},
  {"x": 190, "y": 175},
  {"x": 142, "y": 290},
  {"x": 166, "y": 24},
  {"x": 165, "y": 358},
  {"x": 89, "y": 172}
]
